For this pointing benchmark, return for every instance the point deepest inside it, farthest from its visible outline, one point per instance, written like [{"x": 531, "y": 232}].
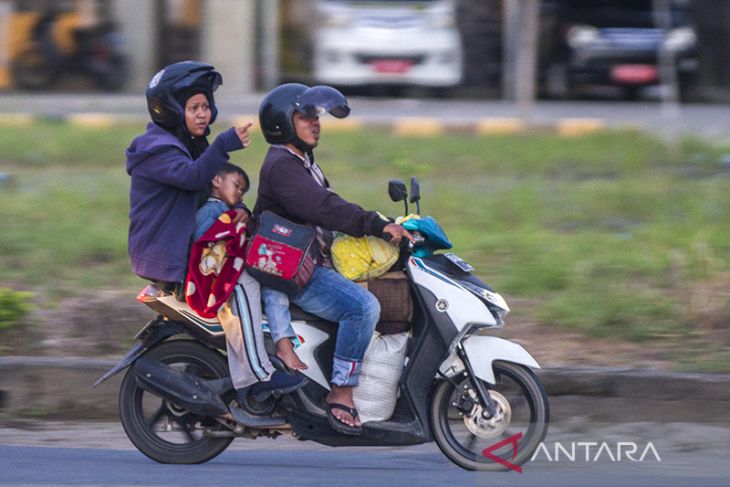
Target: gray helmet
[{"x": 278, "y": 107}]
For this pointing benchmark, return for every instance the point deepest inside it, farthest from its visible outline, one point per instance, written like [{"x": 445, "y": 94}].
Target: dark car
[{"x": 616, "y": 43}]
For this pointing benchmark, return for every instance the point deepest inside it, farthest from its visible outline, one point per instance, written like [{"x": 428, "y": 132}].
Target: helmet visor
[
  {"x": 318, "y": 100},
  {"x": 204, "y": 77},
  {"x": 215, "y": 80}
]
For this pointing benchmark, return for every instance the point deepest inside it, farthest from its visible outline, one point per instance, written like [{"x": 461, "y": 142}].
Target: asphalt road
[
  {"x": 707, "y": 120},
  {"x": 98, "y": 454}
]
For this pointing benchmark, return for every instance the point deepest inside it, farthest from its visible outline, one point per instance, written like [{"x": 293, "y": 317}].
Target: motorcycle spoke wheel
[
  {"x": 187, "y": 430},
  {"x": 171, "y": 423},
  {"x": 471, "y": 442},
  {"x": 161, "y": 413},
  {"x": 468, "y": 438},
  {"x": 162, "y": 430}
]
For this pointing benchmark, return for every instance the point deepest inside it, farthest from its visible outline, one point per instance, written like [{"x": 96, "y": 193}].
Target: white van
[{"x": 393, "y": 42}]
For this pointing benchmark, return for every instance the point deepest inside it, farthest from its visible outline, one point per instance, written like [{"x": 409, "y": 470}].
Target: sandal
[{"x": 337, "y": 424}]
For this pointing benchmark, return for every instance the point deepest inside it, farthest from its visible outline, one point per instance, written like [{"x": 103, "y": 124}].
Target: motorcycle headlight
[
  {"x": 680, "y": 39},
  {"x": 582, "y": 35},
  {"x": 494, "y": 301},
  {"x": 418, "y": 239}
]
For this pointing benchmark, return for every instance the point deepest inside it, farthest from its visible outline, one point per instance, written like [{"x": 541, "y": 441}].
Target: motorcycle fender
[
  {"x": 483, "y": 351},
  {"x": 153, "y": 333}
]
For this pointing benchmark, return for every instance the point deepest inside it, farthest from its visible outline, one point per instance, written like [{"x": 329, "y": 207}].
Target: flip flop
[{"x": 338, "y": 425}]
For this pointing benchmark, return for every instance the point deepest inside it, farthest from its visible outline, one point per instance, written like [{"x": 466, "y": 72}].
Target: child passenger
[{"x": 226, "y": 192}]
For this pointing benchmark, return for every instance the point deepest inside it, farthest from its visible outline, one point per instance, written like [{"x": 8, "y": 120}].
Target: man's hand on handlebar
[{"x": 394, "y": 233}]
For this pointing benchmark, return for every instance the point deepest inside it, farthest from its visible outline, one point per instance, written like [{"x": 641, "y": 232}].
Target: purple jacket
[
  {"x": 162, "y": 198},
  {"x": 288, "y": 189}
]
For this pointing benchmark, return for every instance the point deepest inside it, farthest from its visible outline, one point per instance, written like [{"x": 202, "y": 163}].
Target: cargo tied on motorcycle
[{"x": 177, "y": 405}]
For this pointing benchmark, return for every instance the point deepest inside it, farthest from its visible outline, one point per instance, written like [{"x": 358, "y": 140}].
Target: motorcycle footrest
[{"x": 251, "y": 421}]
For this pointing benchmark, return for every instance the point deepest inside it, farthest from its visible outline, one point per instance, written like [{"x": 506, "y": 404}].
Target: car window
[{"x": 618, "y": 13}]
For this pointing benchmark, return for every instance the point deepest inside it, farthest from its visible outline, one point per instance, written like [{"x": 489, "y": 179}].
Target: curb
[
  {"x": 401, "y": 127},
  {"x": 60, "y": 388}
]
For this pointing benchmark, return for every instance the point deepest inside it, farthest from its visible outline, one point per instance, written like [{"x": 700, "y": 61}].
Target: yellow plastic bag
[{"x": 362, "y": 258}]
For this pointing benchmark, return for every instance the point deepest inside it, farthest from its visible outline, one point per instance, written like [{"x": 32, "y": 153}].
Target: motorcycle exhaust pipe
[{"x": 182, "y": 389}]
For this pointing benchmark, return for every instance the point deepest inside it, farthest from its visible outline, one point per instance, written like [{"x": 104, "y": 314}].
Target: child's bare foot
[{"x": 285, "y": 351}]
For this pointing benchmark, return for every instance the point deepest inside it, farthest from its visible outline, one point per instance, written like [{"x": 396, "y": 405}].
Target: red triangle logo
[{"x": 487, "y": 452}]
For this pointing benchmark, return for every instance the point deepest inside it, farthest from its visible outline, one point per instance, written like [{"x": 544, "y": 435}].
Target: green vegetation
[
  {"x": 614, "y": 234},
  {"x": 14, "y": 305}
]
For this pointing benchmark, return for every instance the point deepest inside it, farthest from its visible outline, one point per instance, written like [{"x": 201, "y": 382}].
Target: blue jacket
[
  {"x": 162, "y": 198},
  {"x": 207, "y": 215}
]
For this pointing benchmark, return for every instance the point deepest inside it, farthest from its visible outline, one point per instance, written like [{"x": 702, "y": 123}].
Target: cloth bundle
[{"x": 215, "y": 264}]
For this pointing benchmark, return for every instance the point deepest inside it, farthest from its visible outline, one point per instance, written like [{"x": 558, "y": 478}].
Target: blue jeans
[{"x": 333, "y": 297}]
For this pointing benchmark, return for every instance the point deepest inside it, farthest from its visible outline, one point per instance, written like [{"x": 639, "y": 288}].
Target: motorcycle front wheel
[
  {"x": 472, "y": 441},
  {"x": 111, "y": 74},
  {"x": 158, "y": 428}
]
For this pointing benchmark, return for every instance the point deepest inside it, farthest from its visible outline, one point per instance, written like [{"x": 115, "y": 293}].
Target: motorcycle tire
[
  {"x": 31, "y": 70},
  {"x": 112, "y": 75},
  {"x": 161, "y": 430},
  {"x": 464, "y": 436}
]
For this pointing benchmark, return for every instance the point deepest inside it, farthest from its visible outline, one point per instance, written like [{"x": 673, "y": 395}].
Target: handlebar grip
[{"x": 404, "y": 243}]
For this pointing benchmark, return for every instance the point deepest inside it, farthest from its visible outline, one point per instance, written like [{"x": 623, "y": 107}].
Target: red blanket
[{"x": 216, "y": 262}]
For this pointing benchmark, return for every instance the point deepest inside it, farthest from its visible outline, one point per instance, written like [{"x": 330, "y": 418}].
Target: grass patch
[
  {"x": 14, "y": 305},
  {"x": 609, "y": 231}
]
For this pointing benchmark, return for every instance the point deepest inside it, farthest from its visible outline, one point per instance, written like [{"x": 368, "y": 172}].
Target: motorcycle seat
[{"x": 151, "y": 295}]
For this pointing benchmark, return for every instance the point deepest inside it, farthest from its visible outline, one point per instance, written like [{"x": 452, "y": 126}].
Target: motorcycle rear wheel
[
  {"x": 463, "y": 436},
  {"x": 161, "y": 430}
]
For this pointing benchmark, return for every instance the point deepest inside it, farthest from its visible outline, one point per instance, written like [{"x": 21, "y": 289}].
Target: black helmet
[
  {"x": 174, "y": 80},
  {"x": 278, "y": 106}
]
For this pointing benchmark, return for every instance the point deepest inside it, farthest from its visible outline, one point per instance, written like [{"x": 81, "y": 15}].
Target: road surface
[{"x": 75, "y": 454}]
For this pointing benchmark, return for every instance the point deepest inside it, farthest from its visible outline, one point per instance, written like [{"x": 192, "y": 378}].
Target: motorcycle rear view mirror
[
  {"x": 416, "y": 194},
  {"x": 398, "y": 192}
]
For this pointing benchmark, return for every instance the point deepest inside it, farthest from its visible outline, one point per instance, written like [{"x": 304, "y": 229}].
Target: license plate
[
  {"x": 634, "y": 74},
  {"x": 459, "y": 262},
  {"x": 393, "y": 66}
]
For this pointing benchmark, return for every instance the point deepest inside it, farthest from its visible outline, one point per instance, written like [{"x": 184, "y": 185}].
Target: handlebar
[{"x": 405, "y": 244}]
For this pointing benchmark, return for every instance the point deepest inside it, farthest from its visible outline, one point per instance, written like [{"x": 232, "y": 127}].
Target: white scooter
[{"x": 474, "y": 394}]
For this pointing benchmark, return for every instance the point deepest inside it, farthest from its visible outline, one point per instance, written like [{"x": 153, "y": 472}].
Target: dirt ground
[
  {"x": 555, "y": 347},
  {"x": 103, "y": 324}
]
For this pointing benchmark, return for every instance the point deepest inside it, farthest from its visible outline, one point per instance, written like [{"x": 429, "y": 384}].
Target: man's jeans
[{"x": 333, "y": 297}]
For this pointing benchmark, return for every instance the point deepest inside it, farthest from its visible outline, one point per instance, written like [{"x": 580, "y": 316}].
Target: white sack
[{"x": 382, "y": 366}]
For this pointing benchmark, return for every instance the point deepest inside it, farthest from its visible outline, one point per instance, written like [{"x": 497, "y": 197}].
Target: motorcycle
[
  {"x": 474, "y": 394},
  {"x": 98, "y": 53}
]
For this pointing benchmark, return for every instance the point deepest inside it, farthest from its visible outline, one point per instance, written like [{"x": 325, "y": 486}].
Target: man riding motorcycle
[{"x": 293, "y": 186}]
